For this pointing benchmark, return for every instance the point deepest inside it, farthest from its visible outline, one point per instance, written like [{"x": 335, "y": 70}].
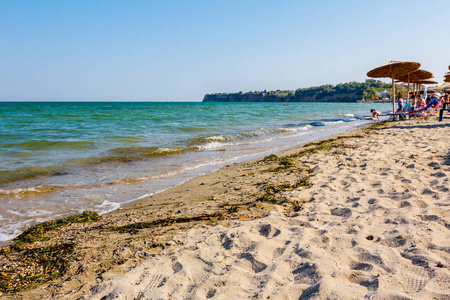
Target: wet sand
[{"x": 361, "y": 216}]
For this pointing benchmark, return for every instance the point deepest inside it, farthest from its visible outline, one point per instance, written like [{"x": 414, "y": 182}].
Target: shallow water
[{"x": 66, "y": 157}]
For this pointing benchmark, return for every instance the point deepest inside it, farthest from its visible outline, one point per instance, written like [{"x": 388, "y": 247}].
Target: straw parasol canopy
[
  {"x": 447, "y": 77},
  {"x": 427, "y": 81},
  {"x": 415, "y": 76},
  {"x": 394, "y": 69},
  {"x": 443, "y": 87}
]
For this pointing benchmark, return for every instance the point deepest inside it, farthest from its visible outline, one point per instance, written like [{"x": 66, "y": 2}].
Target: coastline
[
  {"x": 363, "y": 212},
  {"x": 147, "y": 153}
]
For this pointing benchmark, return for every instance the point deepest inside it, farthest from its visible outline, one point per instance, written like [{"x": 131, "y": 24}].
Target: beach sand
[{"x": 365, "y": 216}]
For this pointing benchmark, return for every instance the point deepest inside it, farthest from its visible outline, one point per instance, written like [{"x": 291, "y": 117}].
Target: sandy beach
[{"x": 364, "y": 215}]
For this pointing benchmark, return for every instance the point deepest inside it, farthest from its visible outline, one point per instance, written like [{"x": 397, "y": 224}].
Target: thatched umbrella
[
  {"x": 427, "y": 81},
  {"x": 414, "y": 77},
  {"x": 447, "y": 76},
  {"x": 443, "y": 87},
  {"x": 394, "y": 69},
  {"x": 419, "y": 83}
]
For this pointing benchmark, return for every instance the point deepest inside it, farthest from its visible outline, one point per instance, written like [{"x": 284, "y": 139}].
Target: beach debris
[
  {"x": 26, "y": 263},
  {"x": 135, "y": 227},
  {"x": 241, "y": 218},
  {"x": 36, "y": 232},
  {"x": 370, "y": 237},
  {"x": 323, "y": 227}
]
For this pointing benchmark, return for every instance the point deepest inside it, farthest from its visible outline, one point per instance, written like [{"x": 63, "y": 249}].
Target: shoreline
[
  {"x": 52, "y": 197},
  {"x": 238, "y": 195}
]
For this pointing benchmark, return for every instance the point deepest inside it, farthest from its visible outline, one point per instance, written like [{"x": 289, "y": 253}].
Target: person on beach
[
  {"x": 413, "y": 101},
  {"x": 375, "y": 115},
  {"x": 433, "y": 103},
  {"x": 400, "y": 105},
  {"x": 421, "y": 102},
  {"x": 447, "y": 97}
]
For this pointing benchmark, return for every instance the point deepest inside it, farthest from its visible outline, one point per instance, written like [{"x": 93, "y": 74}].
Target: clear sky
[{"x": 181, "y": 50}]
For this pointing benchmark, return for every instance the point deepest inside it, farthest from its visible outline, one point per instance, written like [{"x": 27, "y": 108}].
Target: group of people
[{"x": 418, "y": 104}]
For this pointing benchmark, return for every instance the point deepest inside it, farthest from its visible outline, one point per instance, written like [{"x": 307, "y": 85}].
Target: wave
[
  {"x": 136, "y": 153},
  {"x": 122, "y": 154},
  {"x": 27, "y": 192},
  {"x": 48, "y": 145},
  {"x": 30, "y": 172}
]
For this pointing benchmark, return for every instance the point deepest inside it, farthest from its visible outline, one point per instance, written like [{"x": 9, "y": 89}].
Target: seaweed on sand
[
  {"x": 36, "y": 232},
  {"x": 28, "y": 268},
  {"x": 269, "y": 158},
  {"x": 270, "y": 191},
  {"x": 283, "y": 164},
  {"x": 325, "y": 145},
  {"x": 376, "y": 126},
  {"x": 135, "y": 227},
  {"x": 24, "y": 265},
  {"x": 342, "y": 137}
]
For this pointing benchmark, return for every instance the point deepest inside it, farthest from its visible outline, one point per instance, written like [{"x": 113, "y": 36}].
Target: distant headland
[{"x": 370, "y": 90}]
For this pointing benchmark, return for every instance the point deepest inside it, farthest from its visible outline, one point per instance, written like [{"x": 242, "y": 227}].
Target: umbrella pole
[
  {"x": 407, "y": 97},
  {"x": 393, "y": 96}
]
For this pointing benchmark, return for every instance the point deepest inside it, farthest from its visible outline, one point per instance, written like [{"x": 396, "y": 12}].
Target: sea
[{"x": 60, "y": 158}]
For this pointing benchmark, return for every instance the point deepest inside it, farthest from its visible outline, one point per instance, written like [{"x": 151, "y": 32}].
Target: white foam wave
[
  {"x": 30, "y": 213},
  {"x": 300, "y": 128},
  {"x": 19, "y": 190},
  {"x": 107, "y": 206},
  {"x": 217, "y": 138}
]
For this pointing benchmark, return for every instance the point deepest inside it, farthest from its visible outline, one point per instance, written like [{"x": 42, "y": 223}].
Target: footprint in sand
[
  {"x": 156, "y": 280},
  {"x": 268, "y": 231},
  {"x": 257, "y": 266},
  {"x": 342, "y": 212},
  {"x": 211, "y": 293},
  {"x": 415, "y": 279},
  {"x": 420, "y": 203},
  {"x": 360, "y": 266},
  {"x": 374, "y": 259},
  {"x": 370, "y": 282},
  {"x": 280, "y": 251},
  {"x": 177, "y": 267},
  {"x": 303, "y": 253},
  {"x": 439, "y": 174},
  {"x": 306, "y": 273},
  {"x": 395, "y": 242}
]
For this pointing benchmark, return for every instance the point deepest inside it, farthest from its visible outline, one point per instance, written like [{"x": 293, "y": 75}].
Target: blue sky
[{"x": 181, "y": 50}]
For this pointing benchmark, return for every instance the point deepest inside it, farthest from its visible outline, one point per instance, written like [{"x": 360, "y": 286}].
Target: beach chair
[{"x": 399, "y": 116}]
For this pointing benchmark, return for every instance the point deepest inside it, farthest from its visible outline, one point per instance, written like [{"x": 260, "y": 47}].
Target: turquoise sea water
[{"x": 63, "y": 157}]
